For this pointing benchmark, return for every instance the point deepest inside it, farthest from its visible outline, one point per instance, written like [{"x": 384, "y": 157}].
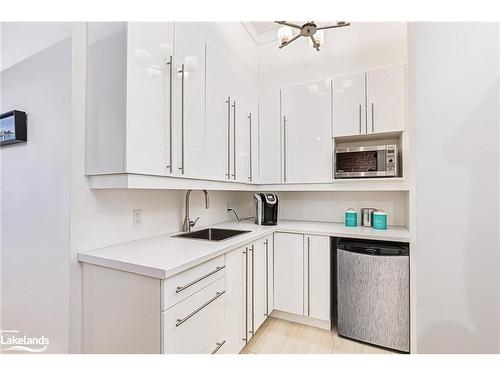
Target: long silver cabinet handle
[
  {"x": 228, "y": 102},
  {"x": 373, "y": 119},
  {"x": 181, "y": 168},
  {"x": 360, "y": 119},
  {"x": 170, "y": 64},
  {"x": 250, "y": 122},
  {"x": 234, "y": 140},
  {"x": 253, "y": 289},
  {"x": 217, "y": 295},
  {"x": 267, "y": 277},
  {"x": 246, "y": 294},
  {"x": 308, "y": 276},
  {"x": 181, "y": 288},
  {"x": 284, "y": 148},
  {"x": 218, "y": 346}
]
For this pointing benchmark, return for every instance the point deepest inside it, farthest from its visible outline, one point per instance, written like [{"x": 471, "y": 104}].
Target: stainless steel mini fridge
[{"x": 373, "y": 292}]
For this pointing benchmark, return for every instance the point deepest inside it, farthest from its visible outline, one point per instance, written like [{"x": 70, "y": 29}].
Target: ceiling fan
[{"x": 309, "y": 29}]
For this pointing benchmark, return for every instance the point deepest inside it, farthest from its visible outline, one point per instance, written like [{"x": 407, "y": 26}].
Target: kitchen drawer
[
  {"x": 196, "y": 325},
  {"x": 185, "y": 284}
]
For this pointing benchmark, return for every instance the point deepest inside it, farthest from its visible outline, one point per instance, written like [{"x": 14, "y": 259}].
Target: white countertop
[{"x": 164, "y": 256}]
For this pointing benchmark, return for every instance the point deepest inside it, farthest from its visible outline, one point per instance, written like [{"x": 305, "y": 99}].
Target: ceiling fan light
[{"x": 284, "y": 34}]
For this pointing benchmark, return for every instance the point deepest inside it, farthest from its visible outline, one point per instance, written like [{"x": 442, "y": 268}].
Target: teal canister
[
  {"x": 351, "y": 218},
  {"x": 380, "y": 220}
]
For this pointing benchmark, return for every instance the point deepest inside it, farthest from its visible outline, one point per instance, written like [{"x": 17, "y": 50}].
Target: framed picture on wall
[{"x": 13, "y": 128}]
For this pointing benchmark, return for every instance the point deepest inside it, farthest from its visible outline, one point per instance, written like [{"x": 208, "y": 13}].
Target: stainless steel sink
[{"x": 212, "y": 234}]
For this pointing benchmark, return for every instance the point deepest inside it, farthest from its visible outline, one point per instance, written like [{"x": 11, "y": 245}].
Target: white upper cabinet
[
  {"x": 372, "y": 102},
  {"x": 189, "y": 61},
  {"x": 150, "y": 80},
  {"x": 349, "y": 115},
  {"x": 218, "y": 117},
  {"x": 270, "y": 151},
  {"x": 244, "y": 113},
  {"x": 230, "y": 125},
  {"x": 106, "y": 98},
  {"x": 307, "y": 132},
  {"x": 385, "y": 95}
]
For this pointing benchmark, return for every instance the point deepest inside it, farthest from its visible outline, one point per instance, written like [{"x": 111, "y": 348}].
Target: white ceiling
[{"x": 264, "y": 27}]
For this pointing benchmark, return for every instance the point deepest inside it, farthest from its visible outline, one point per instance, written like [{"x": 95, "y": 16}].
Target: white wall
[
  {"x": 330, "y": 206},
  {"x": 22, "y": 40},
  {"x": 361, "y": 46},
  {"x": 455, "y": 104},
  {"x": 35, "y": 182}
]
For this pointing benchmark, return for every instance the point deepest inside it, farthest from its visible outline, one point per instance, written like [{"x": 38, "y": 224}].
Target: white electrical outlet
[{"x": 137, "y": 217}]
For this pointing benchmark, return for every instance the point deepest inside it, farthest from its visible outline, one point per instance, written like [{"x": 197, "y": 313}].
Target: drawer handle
[
  {"x": 181, "y": 288},
  {"x": 218, "y": 346},
  {"x": 217, "y": 295}
]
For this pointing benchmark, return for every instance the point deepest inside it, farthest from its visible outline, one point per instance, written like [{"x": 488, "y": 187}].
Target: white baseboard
[{"x": 306, "y": 320}]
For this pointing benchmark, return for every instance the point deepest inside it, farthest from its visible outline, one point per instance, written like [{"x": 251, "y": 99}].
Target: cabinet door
[
  {"x": 289, "y": 273},
  {"x": 235, "y": 275},
  {"x": 149, "y": 97},
  {"x": 386, "y": 97},
  {"x": 269, "y": 137},
  {"x": 259, "y": 295},
  {"x": 189, "y": 53},
  {"x": 248, "y": 293},
  {"x": 245, "y": 100},
  {"x": 269, "y": 274},
  {"x": 349, "y": 115},
  {"x": 218, "y": 116},
  {"x": 318, "y": 276},
  {"x": 187, "y": 329},
  {"x": 307, "y": 137}
]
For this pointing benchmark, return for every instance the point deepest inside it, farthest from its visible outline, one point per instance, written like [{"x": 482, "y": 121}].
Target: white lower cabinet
[
  {"x": 214, "y": 307},
  {"x": 317, "y": 285},
  {"x": 196, "y": 325},
  {"x": 302, "y": 275},
  {"x": 289, "y": 273},
  {"x": 249, "y": 291}
]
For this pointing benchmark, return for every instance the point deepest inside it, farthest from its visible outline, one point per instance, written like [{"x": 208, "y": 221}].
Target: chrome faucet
[{"x": 188, "y": 223}]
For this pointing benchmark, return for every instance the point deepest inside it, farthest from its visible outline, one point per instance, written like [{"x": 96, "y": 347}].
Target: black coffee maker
[{"x": 266, "y": 208}]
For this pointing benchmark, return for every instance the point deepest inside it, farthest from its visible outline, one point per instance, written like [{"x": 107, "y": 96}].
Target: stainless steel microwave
[{"x": 367, "y": 161}]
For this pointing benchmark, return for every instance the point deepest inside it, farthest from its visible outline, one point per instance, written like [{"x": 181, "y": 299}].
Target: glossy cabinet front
[{"x": 307, "y": 132}]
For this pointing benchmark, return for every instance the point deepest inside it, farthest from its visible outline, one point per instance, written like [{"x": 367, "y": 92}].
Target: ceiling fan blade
[
  {"x": 339, "y": 24},
  {"x": 315, "y": 45},
  {"x": 288, "y": 24},
  {"x": 290, "y": 41}
]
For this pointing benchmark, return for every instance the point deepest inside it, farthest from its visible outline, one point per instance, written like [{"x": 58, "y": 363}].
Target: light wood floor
[{"x": 277, "y": 336}]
